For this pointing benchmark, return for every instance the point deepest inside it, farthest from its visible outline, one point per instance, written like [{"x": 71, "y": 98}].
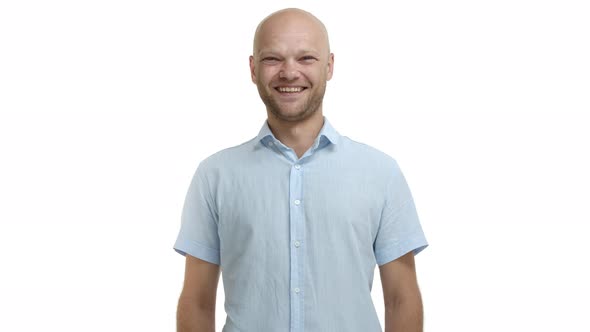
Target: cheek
[
  {"x": 314, "y": 75},
  {"x": 313, "y": 79},
  {"x": 267, "y": 74}
]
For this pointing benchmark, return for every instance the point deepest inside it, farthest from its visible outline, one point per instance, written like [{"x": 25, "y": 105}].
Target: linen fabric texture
[{"x": 297, "y": 239}]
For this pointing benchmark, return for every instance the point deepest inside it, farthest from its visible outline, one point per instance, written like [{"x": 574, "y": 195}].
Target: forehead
[
  {"x": 291, "y": 34},
  {"x": 290, "y": 42}
]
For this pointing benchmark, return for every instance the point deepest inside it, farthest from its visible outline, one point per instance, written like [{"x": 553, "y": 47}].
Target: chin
[{"x": 294, "y": 114}]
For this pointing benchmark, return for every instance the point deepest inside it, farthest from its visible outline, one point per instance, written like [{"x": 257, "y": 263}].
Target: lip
[
  {"x": 290, "y": 95},
  {"x": 276, "y": 88}
]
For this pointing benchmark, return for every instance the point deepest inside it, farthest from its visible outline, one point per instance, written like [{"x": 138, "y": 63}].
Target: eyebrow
[{"x": 300, "y": 52}]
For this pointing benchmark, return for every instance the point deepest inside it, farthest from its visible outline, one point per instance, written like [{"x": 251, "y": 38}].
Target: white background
[{"x": 107, "y": 107}]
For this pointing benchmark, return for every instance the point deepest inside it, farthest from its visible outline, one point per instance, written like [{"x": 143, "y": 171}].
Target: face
[{"x": 290, "y": 66}]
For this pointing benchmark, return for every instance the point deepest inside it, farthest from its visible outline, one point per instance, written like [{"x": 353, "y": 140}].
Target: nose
[{"x": 289, "y": 71}]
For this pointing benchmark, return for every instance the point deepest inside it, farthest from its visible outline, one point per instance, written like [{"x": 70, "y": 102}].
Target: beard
[{"x": 303, "y": 109}]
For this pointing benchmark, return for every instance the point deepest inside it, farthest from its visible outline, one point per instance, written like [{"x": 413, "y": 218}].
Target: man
[{"x": 297, "y": 217}]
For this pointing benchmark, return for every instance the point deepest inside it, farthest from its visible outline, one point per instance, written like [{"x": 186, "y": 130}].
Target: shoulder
[
  {"x": 371, "y": 157},
  {"x": 227, "y": 157}
]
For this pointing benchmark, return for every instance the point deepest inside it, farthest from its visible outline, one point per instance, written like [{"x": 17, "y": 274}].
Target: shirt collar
[{"x": 327, "y": 131}]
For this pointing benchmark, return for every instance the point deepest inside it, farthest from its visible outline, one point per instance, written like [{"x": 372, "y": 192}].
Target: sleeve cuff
[
  {"x": 194, "y": 249},
  {"x": 393, "y": 252}
]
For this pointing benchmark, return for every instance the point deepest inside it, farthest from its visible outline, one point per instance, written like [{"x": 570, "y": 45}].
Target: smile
[{"x": 290, "y": 89}]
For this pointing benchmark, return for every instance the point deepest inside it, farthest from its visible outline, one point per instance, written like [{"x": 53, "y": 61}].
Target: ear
[
  {"x": 330, "y": 66},
  {"x": 252, "y": 71}
]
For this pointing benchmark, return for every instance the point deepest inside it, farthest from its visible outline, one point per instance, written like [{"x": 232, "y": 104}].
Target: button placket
[{"x": 297, "y": 234}]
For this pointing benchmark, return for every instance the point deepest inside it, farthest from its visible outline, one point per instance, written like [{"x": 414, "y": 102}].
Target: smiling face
[{"x": 291, "y": 64}]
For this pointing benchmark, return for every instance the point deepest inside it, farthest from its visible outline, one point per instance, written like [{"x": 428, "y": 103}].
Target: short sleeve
[
  {"x": 198, "y": 234},
  {"x": 399, "y": 228}
]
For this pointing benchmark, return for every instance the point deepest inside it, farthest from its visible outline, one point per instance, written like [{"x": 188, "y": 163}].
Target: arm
[
  {"x": 196, "y": 306},
  {"x": 403, "y": 303}
]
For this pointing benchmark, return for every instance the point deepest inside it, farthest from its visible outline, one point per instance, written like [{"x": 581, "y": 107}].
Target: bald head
[
  {"x": 291, "y": 64},
  {"x": 290, "y": 20}
]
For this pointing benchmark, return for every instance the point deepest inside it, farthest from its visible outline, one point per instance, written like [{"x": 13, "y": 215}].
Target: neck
[{"x": 298, "y": 135}]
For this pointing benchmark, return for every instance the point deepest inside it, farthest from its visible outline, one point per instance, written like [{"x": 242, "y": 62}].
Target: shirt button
[
  {"x": 297, "y": 290},
  {"x": 297, "y": 202},
  {"x": 297, "y": 244},
  {"x": 297, "y": 166},
  {"x": 271, "y": 143}
]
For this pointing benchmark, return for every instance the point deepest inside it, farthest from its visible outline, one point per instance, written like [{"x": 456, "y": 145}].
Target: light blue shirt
[{"x": 297, "y": 239}]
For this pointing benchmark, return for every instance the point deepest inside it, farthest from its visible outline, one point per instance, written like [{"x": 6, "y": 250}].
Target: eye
[
  {"x": 270, "y": 59},
  {"x": 308, "y": 58}
]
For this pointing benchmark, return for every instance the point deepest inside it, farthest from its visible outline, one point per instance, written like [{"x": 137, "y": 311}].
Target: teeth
[{"x": 290, "y": 89}]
